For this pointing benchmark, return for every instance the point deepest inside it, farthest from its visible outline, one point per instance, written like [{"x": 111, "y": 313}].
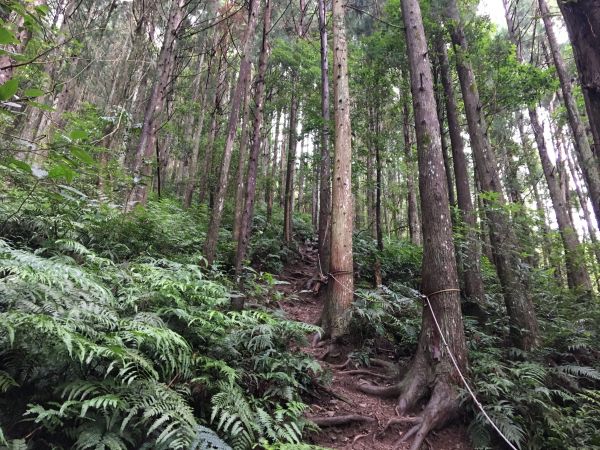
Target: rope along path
[
  {"x": 462, "y": 377},
  {"x": 452, "y": 358}
]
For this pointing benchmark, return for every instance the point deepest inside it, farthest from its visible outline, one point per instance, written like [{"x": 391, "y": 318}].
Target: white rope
[
  {"x": 453, "y": 359},
  {"x": 479, "y": 405},
  {"x": 344, "y": 288}
]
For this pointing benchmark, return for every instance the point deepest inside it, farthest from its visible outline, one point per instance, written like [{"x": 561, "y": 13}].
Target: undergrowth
[
  {"x": 112, "y": 336},
  {"x": 547, "y": 399}
]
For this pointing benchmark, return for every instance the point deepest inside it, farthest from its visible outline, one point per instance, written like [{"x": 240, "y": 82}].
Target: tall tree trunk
[
  {"x": 301, "y": 177},
  {"x": 241, "y": 170},
  {"x": 198, "y": 127},
  {"x": 315, "y": 192},
  {"x": 273, "y": 170},
  {"x": 259, "y": 99},
  {"x": 533, "y": 169},
  {"x": 414, "y": 226},
  {"x": 370, "y": 183},
  {"x": 358, "y": 210},
  {"x": 446, "y": 154},
  {"x": 340, "y": 290},
  {"x": 583, "y": 23},
  {"x": 577, "y": 274},
  {"x": 474, "y": 290},
  {"x": 288, "y": 202},
  {"x": 378, "y": 216},
  {"x": 325, "y": 174},
  {"x": 166, "y": 60},
  {"x": 378, "y": 184},
  {"x": 431, "y": 369},
  {"x": 587, "y": 160},
  {"x": 219, "y": 92},
  {"x": 243, "y": 78},
  {"x": 522, "y": 318},
  {"x": 283, "y": 164},
  {"x": 583, "y": 199}
]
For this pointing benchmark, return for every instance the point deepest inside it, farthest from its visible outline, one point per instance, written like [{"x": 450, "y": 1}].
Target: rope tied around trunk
[
  {"x": 452, "y": 358},
  {"x": 462, "y": 377},
  {"x": 341, "y": 272},
  {"x": 333, "y": 274},
  {"x": 442, "y": 292}
]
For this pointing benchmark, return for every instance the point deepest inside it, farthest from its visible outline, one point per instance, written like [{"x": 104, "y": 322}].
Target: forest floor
[{"x": 341, "y": 397}]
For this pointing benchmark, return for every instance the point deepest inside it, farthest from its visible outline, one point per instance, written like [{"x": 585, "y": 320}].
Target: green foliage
[
  {"x": 400, "y": 260},
  {"x": 107, "y": 343},
  {"x": 391, "y": 313},
  {"x": 536, "y": 404},
  {"x": 543, "y": 400}
]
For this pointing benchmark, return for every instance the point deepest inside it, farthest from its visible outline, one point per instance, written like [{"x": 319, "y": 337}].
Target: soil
[{"x": 341, "y": 397}]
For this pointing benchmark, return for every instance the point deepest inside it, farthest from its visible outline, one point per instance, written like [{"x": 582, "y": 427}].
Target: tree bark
[
  {"x": 197, "y": 136},
  {"x": 259, "y": 99},
  {"x": 577, "y": 274},
  {"x": 301, "y": 177},
  {"x": 325, "y": 174},
  {"x": 219, "y": 92},
  {"x": 273, "y": 170},
  {"x": 315, "y": 191},
  {"x": 583, "y": 199},
  {"x": 370, "y": 182},
  {"x": 522, "y": 318},
  {"x": 587, "y": 160},
  {"x": 414, "y": 226},
  {"x": 288, "y": 201},
  {"x": 241, "y": 170},
  {"x": 243, "y": 78},
  {"x": 154, "y": 106},
  {"x": 340, "y": 292},
  {"x": 378, "y": 186},
  {"x": 474, "y": 289},
  {"x": 583, "y": 24},
  {"x": 431, "y": 370},
  {"x": 283, "y": 164},
  {"x": 191, "y": 183}
]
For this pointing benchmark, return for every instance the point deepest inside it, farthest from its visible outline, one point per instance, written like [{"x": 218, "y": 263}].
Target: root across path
[{"x": 351, "y": 412}]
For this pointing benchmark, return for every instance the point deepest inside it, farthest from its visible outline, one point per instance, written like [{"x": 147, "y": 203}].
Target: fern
[
  {"x": 207, "y": 439},
  {"x": 124, "y": 345},
  {"x": 579, "y": 371}
]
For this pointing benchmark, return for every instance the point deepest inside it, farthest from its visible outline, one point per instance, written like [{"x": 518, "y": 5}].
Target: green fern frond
[
  {"x": 207, "y": 439},
  {"x": 6, "y": 381},
  {"x": 579, "y": 371}
]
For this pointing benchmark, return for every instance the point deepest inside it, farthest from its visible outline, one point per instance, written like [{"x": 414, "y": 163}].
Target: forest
[{"x": 300, "y": 224}]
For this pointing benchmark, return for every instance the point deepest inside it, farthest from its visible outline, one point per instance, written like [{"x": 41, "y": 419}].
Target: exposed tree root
[
  {"x": 367, "y": 372},
  {"x": 333, "y": 352},
  {"x": 359, "y": 437},
  {"x": 333, "y": 394},
  {"x": 443, "y": 407},
  {"x": 340, "y": 420},
  {"x": 383, "y": 391},
  {"x": 341, "y": 366},
  {"x": 383, "y": 363},
  {"x": 317, "y": 340},
  {"x": 401, "y": 421},
  {"x": 420, "y": 380}
]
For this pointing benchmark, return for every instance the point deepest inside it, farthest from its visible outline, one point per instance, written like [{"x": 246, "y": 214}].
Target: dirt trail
[{"x": 343, "y": 398}]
